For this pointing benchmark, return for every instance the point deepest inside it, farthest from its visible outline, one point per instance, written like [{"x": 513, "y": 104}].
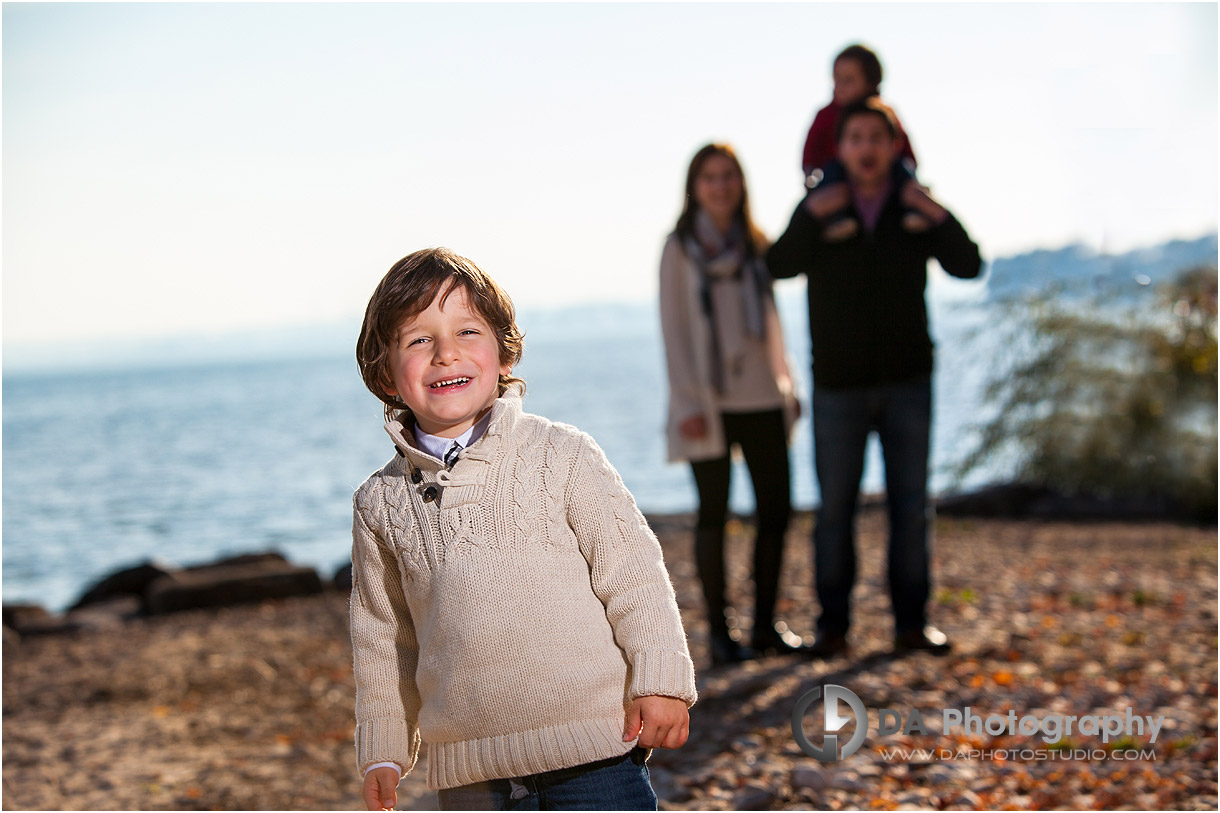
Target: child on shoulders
[{"x": 857, "y": 76}]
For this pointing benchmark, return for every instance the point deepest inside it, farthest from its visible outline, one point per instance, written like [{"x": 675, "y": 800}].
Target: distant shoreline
[{"x": 334, "y": 338}]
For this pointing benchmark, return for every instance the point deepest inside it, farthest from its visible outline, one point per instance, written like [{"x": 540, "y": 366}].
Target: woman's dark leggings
[{"x": 764, "y": 444}]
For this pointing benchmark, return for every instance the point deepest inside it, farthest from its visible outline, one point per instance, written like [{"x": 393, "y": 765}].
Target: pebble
[
  {"x": 846, "y": 781},
  {"x": 913, "y": 799},
  {"x": 869, "y": 769},
  {"x": 809, "y": 778},
  {"x": 754, "y": 797},
  {"x": 750, "y": 743},
  {"x": 941, "y": 775}
]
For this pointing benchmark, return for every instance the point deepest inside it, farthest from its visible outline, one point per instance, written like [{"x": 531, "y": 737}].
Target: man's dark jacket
[{"x": 868, "y": 322}]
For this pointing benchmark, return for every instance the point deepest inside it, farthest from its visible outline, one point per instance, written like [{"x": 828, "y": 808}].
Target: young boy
[
  {"x": 872, "y": 371},
  {"x": 510, "y": 606}
]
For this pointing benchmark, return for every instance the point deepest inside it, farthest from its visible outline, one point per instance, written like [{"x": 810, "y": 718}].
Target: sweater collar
[
  {"x": 504, "y": 414},
  {"x": 439, "y": 447}
]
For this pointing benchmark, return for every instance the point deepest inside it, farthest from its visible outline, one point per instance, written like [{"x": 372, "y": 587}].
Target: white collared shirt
[{"x": 438, "y": 446}]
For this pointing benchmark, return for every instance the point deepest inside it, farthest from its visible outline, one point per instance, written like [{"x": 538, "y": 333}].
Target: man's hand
[
  {"x": 380, "y": 789},
  {"x": 659, "y": 722}
]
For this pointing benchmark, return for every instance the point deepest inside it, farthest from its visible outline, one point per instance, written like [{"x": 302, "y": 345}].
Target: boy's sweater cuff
[
  {"x": 660, "y": 672},
  {"x": 377, "y": 765},
  {"x": 386, "y": 739}
]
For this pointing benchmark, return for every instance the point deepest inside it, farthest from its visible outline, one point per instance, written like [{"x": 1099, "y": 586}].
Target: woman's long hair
[{"x": 756, "y": 241}]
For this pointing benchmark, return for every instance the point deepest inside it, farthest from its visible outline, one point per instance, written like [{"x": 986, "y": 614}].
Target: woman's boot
[{"x": 709, "y": 561}]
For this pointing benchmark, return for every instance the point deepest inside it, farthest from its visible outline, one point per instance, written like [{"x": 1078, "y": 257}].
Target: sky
[{"x": 181, "y": 168}]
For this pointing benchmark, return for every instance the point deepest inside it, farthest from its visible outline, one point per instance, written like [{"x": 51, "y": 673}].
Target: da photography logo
[
  {"x": 1052, "y": 729},
  {"x": 833, "y": 700}
]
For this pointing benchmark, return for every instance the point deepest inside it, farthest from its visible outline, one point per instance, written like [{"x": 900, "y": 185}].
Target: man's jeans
[
  {"x": 901, "y": 414},
  {"x": 619, "y": 783}
]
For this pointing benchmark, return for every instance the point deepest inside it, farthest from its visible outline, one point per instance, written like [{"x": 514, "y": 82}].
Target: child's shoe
[
  {"x": 915, "y": 223},
  {"x": 827, "y": 200},
  {"x": 836, "y": 231}
]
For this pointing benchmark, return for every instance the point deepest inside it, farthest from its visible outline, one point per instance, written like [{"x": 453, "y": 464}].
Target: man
[{"x": 872, "y": 368}]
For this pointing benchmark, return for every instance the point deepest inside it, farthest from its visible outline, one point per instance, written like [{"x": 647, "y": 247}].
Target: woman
[{"x": 728, "y": 385}]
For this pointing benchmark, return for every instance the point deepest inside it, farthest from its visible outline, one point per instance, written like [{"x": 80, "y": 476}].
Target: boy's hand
[
  {"x": 380, "y": 789},
  {"x": 660, "y": 722},
  {"x": 915, "y": 196},
  {"x": 826, "y": 200}
]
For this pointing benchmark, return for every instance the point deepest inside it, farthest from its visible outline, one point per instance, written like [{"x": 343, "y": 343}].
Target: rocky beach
[{"x": 250, "y": 706}]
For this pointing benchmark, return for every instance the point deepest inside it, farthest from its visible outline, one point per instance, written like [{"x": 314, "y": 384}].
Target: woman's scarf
[{"x": 720, "y": 256}]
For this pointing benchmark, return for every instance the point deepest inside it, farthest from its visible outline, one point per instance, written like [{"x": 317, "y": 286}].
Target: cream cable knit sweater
[{"x": 509, "y": 622}]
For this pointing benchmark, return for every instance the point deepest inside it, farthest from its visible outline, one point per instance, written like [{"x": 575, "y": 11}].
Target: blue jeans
[
  {"x": 618, "y": 783},
  {"x": 901, "y": 415}
]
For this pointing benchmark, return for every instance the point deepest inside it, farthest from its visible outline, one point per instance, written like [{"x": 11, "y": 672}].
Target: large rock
[
  {"x": 108, "y": 614},
  {"x": 33, "y": 619},
  {"x": 1025, "y": 501},
  {"x": 266, "y": 559},
  {"x": 218, "y": 585},
  {"x": 17, "y": 615},
  {"x": 1004, "y": 500},
  {"x": 132, "y": 581},
  {"x": 28, "y": 620}
]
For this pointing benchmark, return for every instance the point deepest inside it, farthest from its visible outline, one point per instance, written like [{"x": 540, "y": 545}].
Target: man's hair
[
  {"x": 406, "y": 290},
  {"x": 756, "y": 242},
  {"x": 868, "y": 62},
  {"x": 872, "y": 106}
]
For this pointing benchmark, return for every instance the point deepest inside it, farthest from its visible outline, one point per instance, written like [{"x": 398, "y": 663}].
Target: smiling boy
[
  {"x": 510, "y": 606},
  {"x": 446, "y": 365},
  {"x": 872, "y": 369}
]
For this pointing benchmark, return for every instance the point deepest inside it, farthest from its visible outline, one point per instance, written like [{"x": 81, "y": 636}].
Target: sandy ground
[{"x": 251, "y": 707}]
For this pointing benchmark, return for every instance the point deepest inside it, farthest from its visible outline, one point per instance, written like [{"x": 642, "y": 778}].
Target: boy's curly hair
[{"x": 407, "y": 289}]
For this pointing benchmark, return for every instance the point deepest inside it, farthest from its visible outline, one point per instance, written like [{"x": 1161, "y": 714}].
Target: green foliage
[
  {"x": 1063, "y": 744},
  {"x": 948, "y": 596},
  {"x": 1111, "y": 400},
  {"x": 1125, "y": 743}
]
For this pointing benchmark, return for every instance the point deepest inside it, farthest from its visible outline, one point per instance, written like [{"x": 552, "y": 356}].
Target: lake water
[{"x": 105, "y": 469}]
